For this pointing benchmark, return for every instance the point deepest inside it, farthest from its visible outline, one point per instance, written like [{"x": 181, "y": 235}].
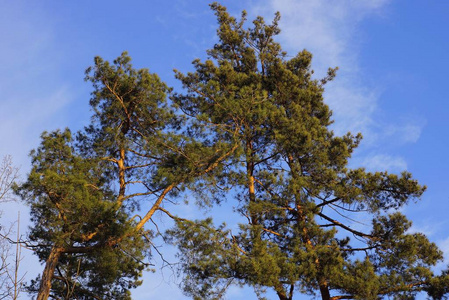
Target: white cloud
[
  {"x": 33, "y": 95},
  {"x": 387, "y": 132},
  {"x": 24, "y": 118},
  {"x": 353, "y": 107},
  {"x": 444, "y": 246},
  {"x": 406, "y": 132},
  {"x": 426, "y": 229},
  {"x": 330, "y": 31},
  {"x": 381, "y": 162}
]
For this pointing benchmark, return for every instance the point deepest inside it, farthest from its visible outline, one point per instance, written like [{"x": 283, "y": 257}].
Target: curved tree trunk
[{"x": 47, "y": 275}]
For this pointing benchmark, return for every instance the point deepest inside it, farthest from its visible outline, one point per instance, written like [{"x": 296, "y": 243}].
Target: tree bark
[
  {"x": 282, "y": 296},
  {"x": 251, "y": 182},
  {"x": 121, "y": 176},
  {"x": 301, "y": 221},
  {"x": 324, "y": 289},
  {"x": 47, "y": 275}
]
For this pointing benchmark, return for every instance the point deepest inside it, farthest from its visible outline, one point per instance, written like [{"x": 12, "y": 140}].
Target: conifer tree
[
  {"x": 122, "y": 147},
  {"x": 290, "y": 178},
  {"x": 85, "y": 192},
  {"x": 75, "y": 220}
]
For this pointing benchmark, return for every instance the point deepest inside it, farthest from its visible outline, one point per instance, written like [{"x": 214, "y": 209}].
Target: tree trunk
[
  {"x": 121, "y": 176},
  {"x": 282, "y": 296},
  {"x": 324, "y": 289},
  {"x": 251, "y": 181},
  {"x": 47, "y": 275}
]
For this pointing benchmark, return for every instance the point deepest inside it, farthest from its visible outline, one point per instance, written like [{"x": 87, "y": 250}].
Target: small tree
[
  {"x": 8, "y": 174},
  {"x": 10, "y": 282},
  {"x": 292, "y": 184}
]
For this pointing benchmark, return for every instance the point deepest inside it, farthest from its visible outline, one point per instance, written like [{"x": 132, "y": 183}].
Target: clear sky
[{"x": 391, "y": 86}]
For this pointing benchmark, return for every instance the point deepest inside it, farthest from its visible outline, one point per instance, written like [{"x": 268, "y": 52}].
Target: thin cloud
[
  {"x": 444, "y": 246},
  {"x": 353, "y": 107},
  {"x": 428, "y": 230},
  {"x": 24, "y": 118},
  {"x": 406, "y": 132},
  {"x": 384, "y": 162},
  {"x": 33, "y": 97},
  {"x": 330, "y": 30}
]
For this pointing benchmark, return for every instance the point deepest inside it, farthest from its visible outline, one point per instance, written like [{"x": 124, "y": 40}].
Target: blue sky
[{"x": 391, "y": 86}]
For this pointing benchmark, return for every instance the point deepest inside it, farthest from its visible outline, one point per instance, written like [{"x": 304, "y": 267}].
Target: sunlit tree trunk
[{"x": 47, "y": 275}]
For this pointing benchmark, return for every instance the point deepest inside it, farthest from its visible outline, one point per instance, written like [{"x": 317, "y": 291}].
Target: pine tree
[
  {"x": 123, "y": 147},
  {"x": 75, "y": 220},
  {"x": 290, "y": 178},
  {"x": 83, "y": 191}
]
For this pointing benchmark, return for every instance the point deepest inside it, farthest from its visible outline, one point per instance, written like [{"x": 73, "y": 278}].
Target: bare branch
[
  {"x": 355, "y": 232},
  {"x": 8, "y": 174}
]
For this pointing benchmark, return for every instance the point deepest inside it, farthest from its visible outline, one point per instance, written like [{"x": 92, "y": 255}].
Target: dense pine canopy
[
  {"x": 291, "y": 180},
  {"x": 251, "y": 127}
]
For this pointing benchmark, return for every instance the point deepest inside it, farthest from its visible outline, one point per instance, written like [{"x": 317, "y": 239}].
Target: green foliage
[
  {"x": 252, "y": 125},
  {"x": 129, "y": 126},
  {"x": 73, "y": 208},
  {"x": 290, "y": 177},
  {"x": 82, "y": 192}
]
